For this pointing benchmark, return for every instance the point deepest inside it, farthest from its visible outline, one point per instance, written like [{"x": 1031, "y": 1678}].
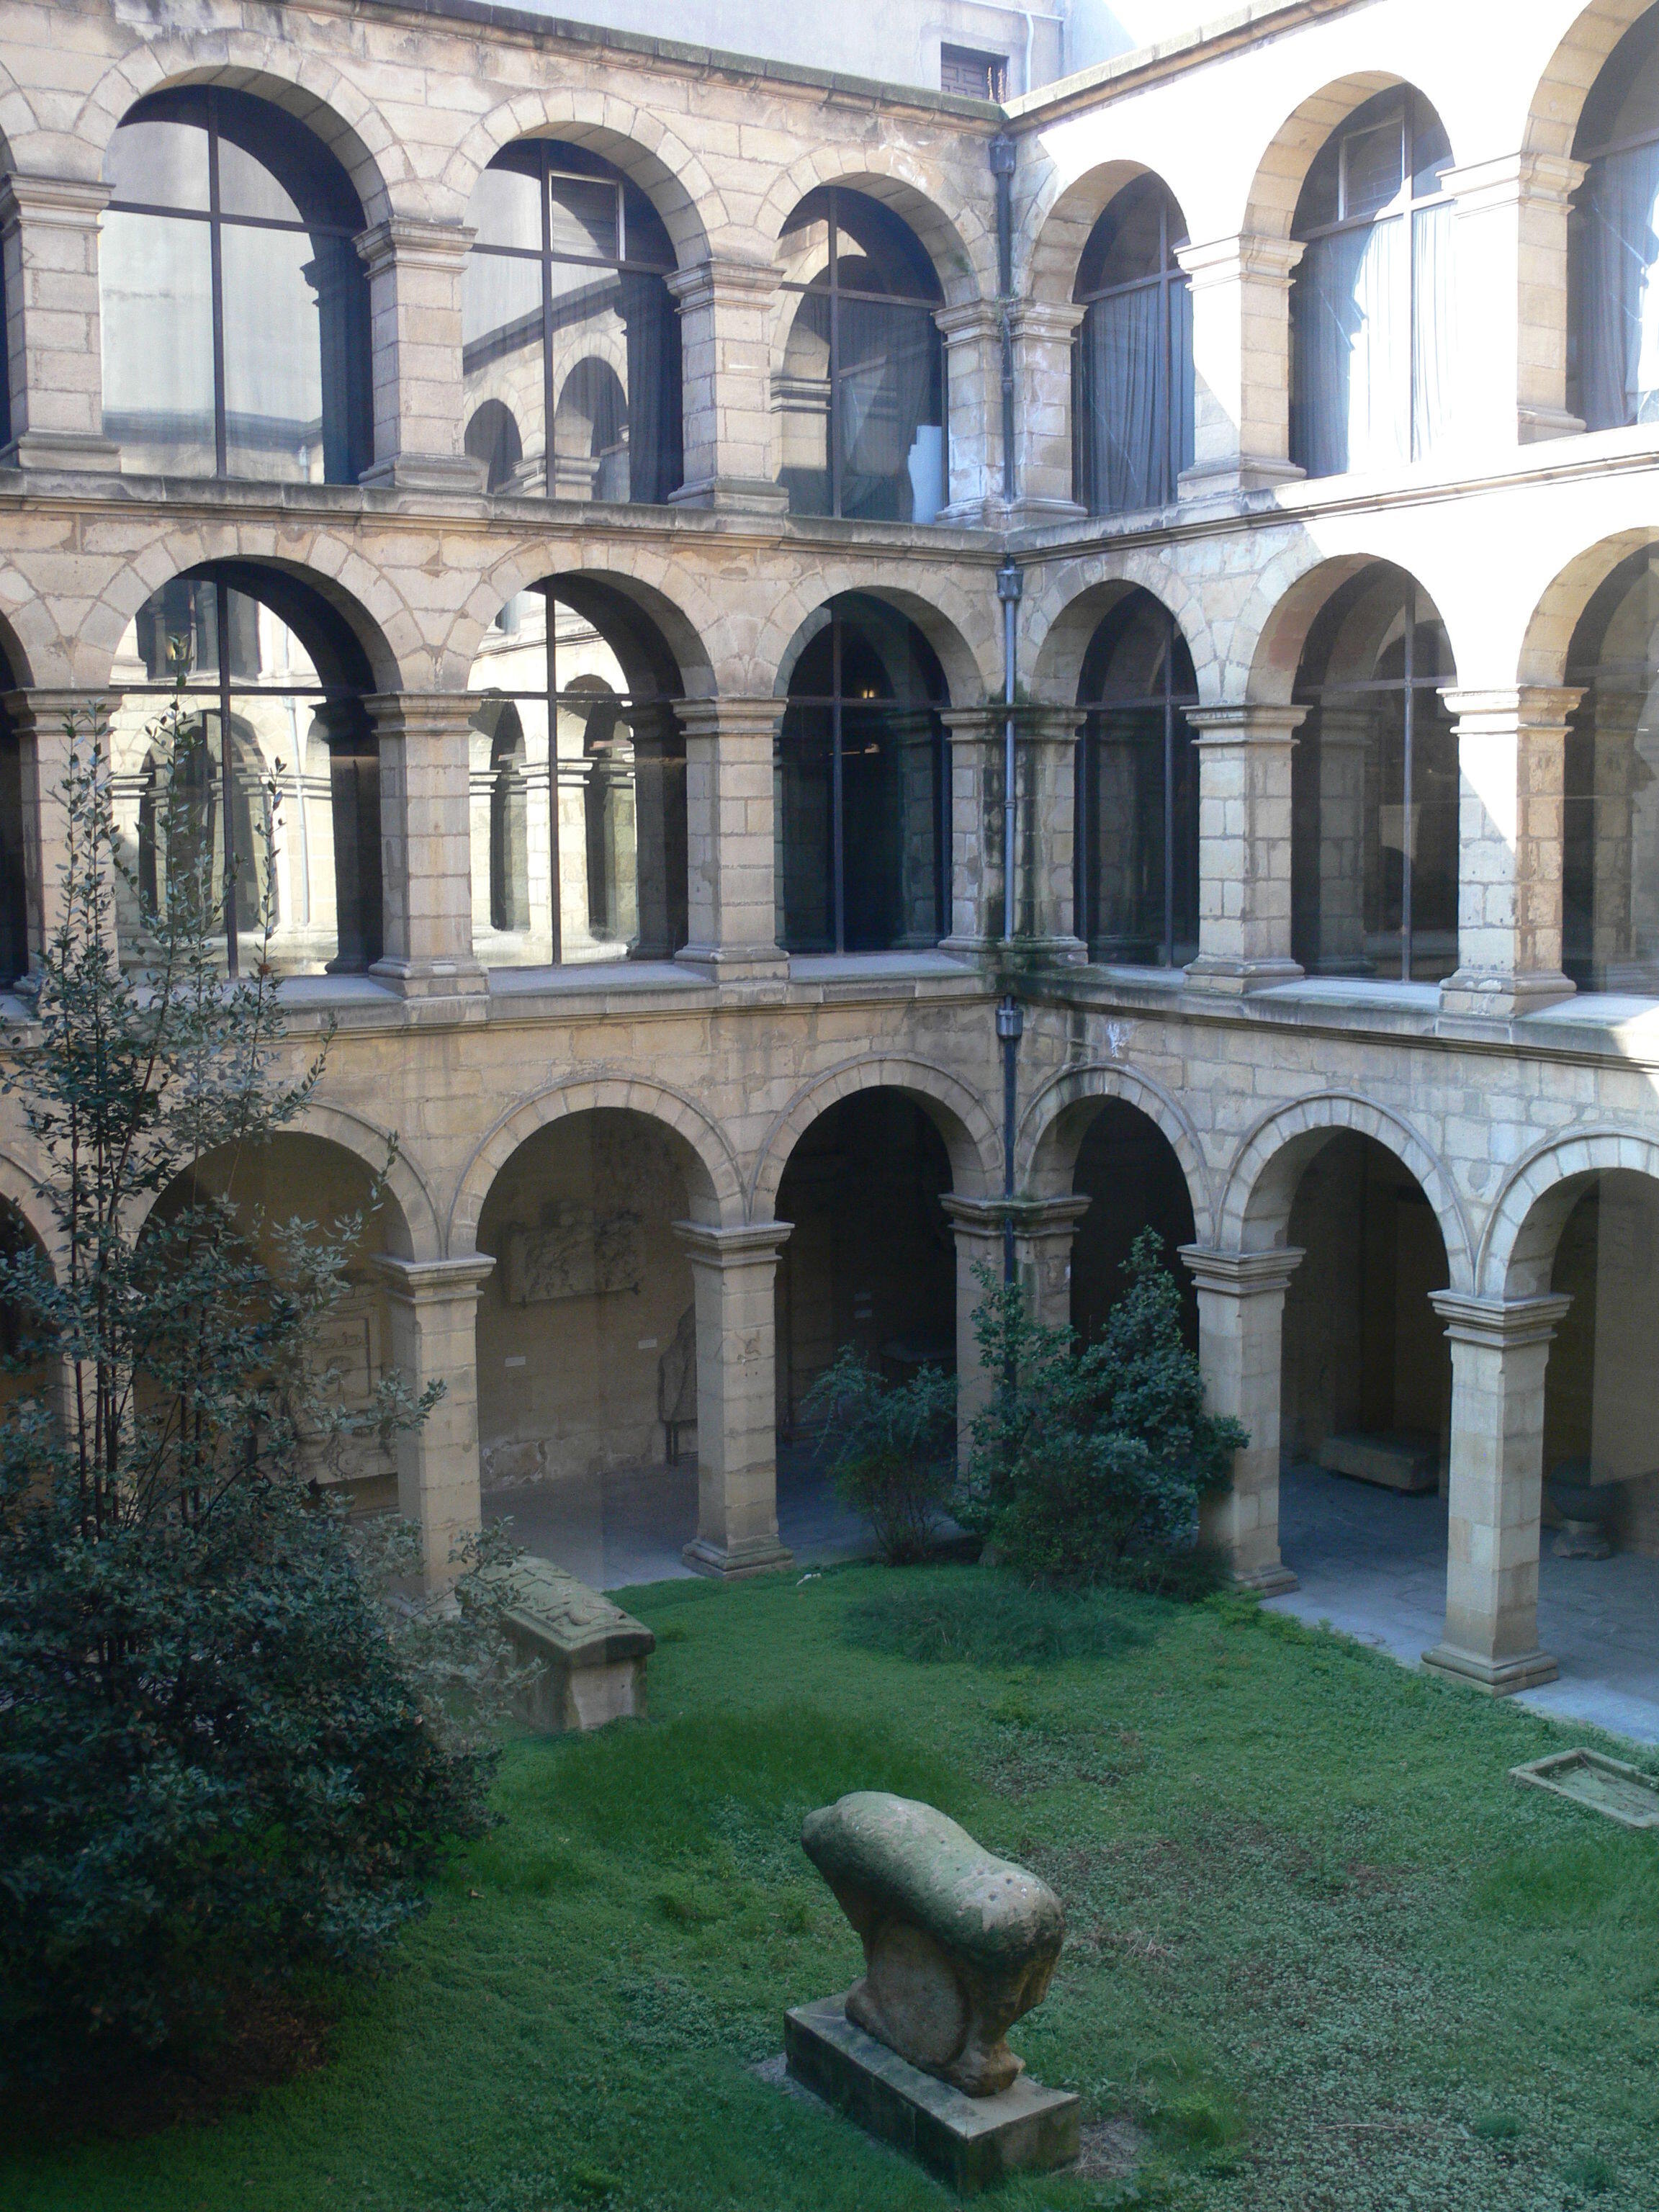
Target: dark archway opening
[{"x": 1127, "y": 1167}]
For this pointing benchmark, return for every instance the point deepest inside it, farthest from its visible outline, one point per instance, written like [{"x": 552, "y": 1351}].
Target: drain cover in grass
[{"x": 1624, "y": 1793}]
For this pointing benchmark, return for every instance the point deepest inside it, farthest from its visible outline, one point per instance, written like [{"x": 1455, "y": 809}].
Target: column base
[
  {"x": 1239, "y": 472},
  {"x": 753, "y": 1555},
  {"x": 439, "y": 472},
  {"x": 432, "y": 979},
  {"x": 1275, "y": 1580},
  {"x": 58, "y": 450},
  {"x": 1486, "y": 996},
  {"x": 1027, "y": 952},
  {"x": 736, "y": 963},
  {"x": 733, "y": 496},
  {"x": 1499, "y": 1678},
  {"x": 1235, "y": 979},
  {"x": 1533, "y": 424}
]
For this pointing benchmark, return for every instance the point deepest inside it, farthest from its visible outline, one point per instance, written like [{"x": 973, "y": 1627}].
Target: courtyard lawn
[{"x": 1322, "y": 1953}]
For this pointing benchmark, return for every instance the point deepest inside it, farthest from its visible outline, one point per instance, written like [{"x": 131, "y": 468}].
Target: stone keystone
[{"x": 957, "y": 1944}]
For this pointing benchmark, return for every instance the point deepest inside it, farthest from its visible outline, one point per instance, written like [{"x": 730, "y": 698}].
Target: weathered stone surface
[
  {"x": 958, "y": 1943},
  {"x": 591, "y": 1654}
]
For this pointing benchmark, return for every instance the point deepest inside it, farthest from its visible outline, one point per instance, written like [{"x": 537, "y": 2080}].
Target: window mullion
[
  {"x": 550, "y": 655},
  {"x": 215, "y": 279},
  {"x": 227, "y": 776}
]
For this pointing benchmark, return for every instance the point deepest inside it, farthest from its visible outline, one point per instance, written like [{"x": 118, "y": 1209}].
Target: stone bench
[
  {"x": 591, "y": 1654},
  {"x": 1395, "y": 1460}
]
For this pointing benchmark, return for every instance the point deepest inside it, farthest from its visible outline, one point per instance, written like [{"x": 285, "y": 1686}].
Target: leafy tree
[
  {"x": 893, "y": 1449},
  {"x": 1089, "y": 1463},
  {"x": 225, "y": 1753}
]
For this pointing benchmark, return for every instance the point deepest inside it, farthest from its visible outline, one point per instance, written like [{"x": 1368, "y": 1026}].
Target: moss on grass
[{"x": 1322, "y": 1950}]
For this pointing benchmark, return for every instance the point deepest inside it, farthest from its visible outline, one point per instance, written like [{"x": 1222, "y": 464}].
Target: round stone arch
[
  {"x": 1541, "y": 1190},
  {"x": 1270, "y": 632},
  {"x": 1261, "y": 1184},
  {"x": 1054, "y": 1124},
  {"x": 376, "y": 614},
  {"x": 962, "y": 250},
  {"x": 1547, "y": 638},
  {"x": 1559, "y": 99},
  {"x": 1057, "y": 224},
  {"x": 713, "y": 1178},
  {"x": 956, "y": 624},
  {"x": 1074, "y": 601},
  {"x": 971, "y": 1140},
  {"x": 1270, "y": 203},
  {"x": 661, "y": 589},
  {"x": 22, "y": 1192},
  {"x": 648, "y": 151},
  {"x": 305, "y": 86}
]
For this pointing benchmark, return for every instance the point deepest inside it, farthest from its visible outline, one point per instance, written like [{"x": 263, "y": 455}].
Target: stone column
[
  {"x": 48, "y": 237},
  {"x": 1045, "y": 1229},
  {"x": 1042, "y": 422},
  {"x": 1241, "y": 1312},
  {"x": 426, "y": 846},
  {"x": 1619, "y": 775},
  {"x": 729, "y": 817},
  {"x": 733, "y": 1273},
  {"x": 1511, "y": 758},
  {"x": 415, "y": 274},
  {"x": 1511, "y": 247},
  {"x": 1245, "y": 847},
  {"x": 1499, "y": 1350},
  {"x": 726, "y": 343},
  {"x": 434, "y": 1338},
  {"x": 973, "y": 381},
  {"x": 659, "y": 828},
  {"x": 1241, "y": 364},
  {"x": 976, "y": 734},
  {"x": 40, "y": 720},
  {"x": 1047, "y": 830}
]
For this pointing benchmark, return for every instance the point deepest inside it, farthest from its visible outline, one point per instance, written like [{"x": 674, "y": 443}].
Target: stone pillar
[
  {"x": 973, "y": 383},
  {"x": 726, "y": 343},
  {"x": 1499, "y": 1350},
  {"x": 1042, "y": 422},
  {"x": 1045, "y": 1229},
  {"x": 976, "y": 741},
  {"x": 1511, "y": 248},
  {"x": 1245, "y": 847},
  {"x": 659, "y": 828},
  {"x": 1046, "y": 831},
  {"x": 426, "y": 845},
  {"x": 434, "y": 1338},
  {"x": 1241, "y": 364},
  {"x": 40, "y": 720},
  {"x": 1241, "y": 1312},
  {"x": 733, "y": 1273},
  {"x": 416, "y": 275},
  {"x": 729, "y": 817},
  {"x": 1511, "y": 758},
  {"x": 48, "y": 237}
]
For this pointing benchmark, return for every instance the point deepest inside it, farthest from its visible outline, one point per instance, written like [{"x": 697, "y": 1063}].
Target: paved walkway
[{"x": 1373, "y": 1564}]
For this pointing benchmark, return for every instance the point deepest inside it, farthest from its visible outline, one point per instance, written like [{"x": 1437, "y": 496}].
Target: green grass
[{"x": 1322, "y": 1950}]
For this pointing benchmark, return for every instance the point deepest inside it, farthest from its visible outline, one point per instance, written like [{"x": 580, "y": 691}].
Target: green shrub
[
  {"x": 989, "y": 1619},
  {"x": 892, "y": 1449},
  {"x": 1089, "y": 1464}
]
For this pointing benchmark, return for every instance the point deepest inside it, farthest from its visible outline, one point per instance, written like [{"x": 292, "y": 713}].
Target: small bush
[
  {"x": 991, "y": 1620},
  {"x": 893, "y": 1449}
]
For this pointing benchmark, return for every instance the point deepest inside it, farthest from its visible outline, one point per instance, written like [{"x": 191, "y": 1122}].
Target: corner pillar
[
  {"x": 1241, "y": 292},
  {"x": 1510, "y": 227},
  {"x": 434, "y": 1338},
  {"x": 1245, "y": 847},
  {"x": 733, "y": 1274},
  {"x": 973, "y": 385},
  {"x": 1512, "y": 760},
  {"x": 49, "y": 239},
  {"x": 730, "y": 892},
  {"x": 725, "y": 348},
  {"x": 1241, "y": 1313},
  {"x": 417, "y": 278},
  {"x": 426, "y": 852},
  {"x": 1045, "y": 1229},
  {"x": 1043, "y": 336}
]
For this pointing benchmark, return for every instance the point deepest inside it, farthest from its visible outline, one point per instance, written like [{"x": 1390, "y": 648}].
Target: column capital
[
  {"x": 968, "y": 320},
  {"x": 1231, "y": 260},
  {"x": 412, "y": 241},
  {"x": 974, "y": 725},
  {"x": 1527, "y": 706},
  {"x": 703, "y": 283},
  {"x": 34, "y": 707},
  {"x": 68, "y": 202},
  {"x": 1032, "y": 1217},
  {"x": 1500, "y": 1324},
  {"x": 1242, "y": 1275},
  {"x": 729, "y": 717},
  {"x": 1045, "y": 321},
  {"x": 1048, "y": 726},
  {"x": 433, "y": 1282},
  {"x": 740, "y": 1246},
  {"x": 425, "y": 714},
  {"x": 1506, "y": 179},
  {"x": 1252, "y": 723}
]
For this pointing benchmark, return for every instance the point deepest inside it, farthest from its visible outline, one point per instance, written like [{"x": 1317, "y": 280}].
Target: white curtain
[
  {"x": 1434, "y": 325},
  {"x": 1353, "y": 351},
  {"x": 1618, "y": 363},
  {"x": 1127, "y": 402}
]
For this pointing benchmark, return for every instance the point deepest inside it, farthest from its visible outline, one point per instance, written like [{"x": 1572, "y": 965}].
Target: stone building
[{"x": 576, "y": 472}]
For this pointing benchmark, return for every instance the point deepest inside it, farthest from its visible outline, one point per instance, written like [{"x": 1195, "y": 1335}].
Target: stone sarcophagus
[{"x": 590, "y": 1654}]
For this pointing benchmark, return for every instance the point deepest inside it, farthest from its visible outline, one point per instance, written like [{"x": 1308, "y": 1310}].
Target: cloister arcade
[{"x": 568, "y": 515}]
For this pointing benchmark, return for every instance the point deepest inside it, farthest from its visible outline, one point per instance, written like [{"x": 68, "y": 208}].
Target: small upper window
[
  {"x": 972, "y": 74},
  {"x": 235, "y": 305}
]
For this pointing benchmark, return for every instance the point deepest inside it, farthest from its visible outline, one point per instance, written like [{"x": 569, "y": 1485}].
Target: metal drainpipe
[
  {"x": 1011, "y": 1015},
  {"x": 1002, "y": 168}
]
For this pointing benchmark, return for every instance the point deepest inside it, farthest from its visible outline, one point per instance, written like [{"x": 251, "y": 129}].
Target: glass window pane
[
  {"x": 1351, "y": 332},
  {"x": 804, "y": 817},
  {"x": 646, "y": 238},
  {"x": 501, "y": 361},
  {"x": 890, "y": 834},
  {"x": 506, "y": 207},
  {"x": 890, "y": 416},
  {"x": 1126, "y": 837},
  {"x": 247, "y": 187},
  {"x": 1435, "y": 840},
  {"x": 1611, "y": 887},
  {"x": 161, "y": 162},
  {"x": 1373, "y": 168},
  {"x": 157, "y": 298},
  {"x": 878, "y": 252},
  {"x": 271, "y": 165},
  {"x": 273, "y": 355},
  {"x": 599, "y": 832},
  {"x": 1128, "y": 243},
  {"x": 801, "y": 395},
  {"x": 584, "y": 218}
]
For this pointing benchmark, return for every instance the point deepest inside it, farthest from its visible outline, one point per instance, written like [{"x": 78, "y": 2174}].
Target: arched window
[
  {"x": 1375, "y": 788},
  {"x": 578, "y": 781},
  {"x": 274, "y": 783},
  {"x": 567, "y": 320},
  {"x": 1613, "y": 359},
  {"x": 1373, "y": 326},
  {"x": 1611, "y": 887},
  {"x": 1137, "y": 888},
  {"x": 861, "y": 786},
  {"x": 860, "y": 387},
  {"x": 235, "y": 306},
  {"x": 1133, "y": 361}
]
